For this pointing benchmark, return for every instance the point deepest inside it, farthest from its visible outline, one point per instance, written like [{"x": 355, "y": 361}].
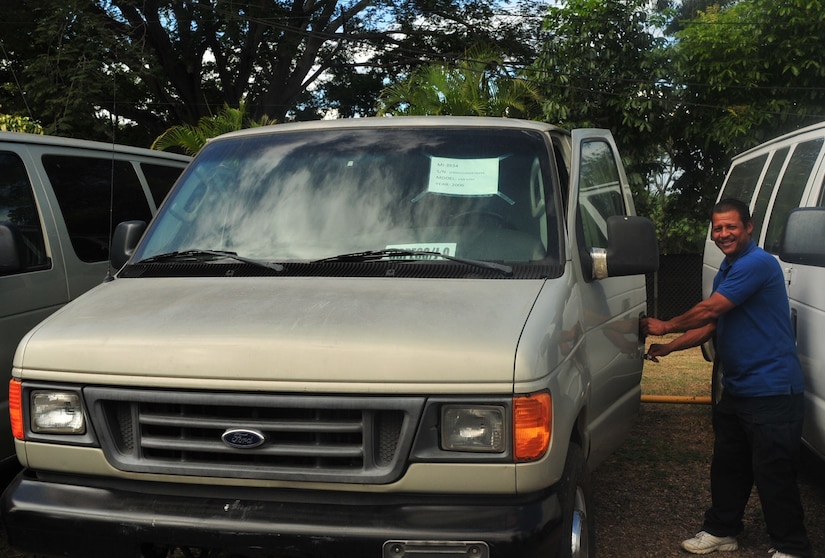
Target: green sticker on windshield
[{"x": 445, "y": 248}]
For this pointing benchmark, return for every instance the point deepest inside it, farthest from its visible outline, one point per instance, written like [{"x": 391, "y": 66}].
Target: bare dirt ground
[{"x": 653, "y": 492}]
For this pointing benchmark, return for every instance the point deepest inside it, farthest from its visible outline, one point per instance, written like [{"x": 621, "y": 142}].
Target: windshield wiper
[
  {"x": 370, "y": 255},
  {"x": 206, "y": 255}
]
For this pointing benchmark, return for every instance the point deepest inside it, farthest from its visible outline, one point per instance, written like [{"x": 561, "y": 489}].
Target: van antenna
[
  {"x": 113, "y": 118},
  {"x": 16, "y": 81}
]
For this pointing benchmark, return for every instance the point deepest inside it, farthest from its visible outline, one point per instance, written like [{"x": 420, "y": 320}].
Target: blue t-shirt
[{"x": 755, "y": 339}]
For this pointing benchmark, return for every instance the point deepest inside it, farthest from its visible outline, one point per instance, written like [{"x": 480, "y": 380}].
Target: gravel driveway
[{"x": 653, "y": 492}]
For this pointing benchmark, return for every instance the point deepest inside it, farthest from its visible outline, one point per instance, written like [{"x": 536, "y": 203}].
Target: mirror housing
[
  {"x": 125, "y": 240},
  {"x": 802, "y": 238},
  {"x": 632, "y": 248}
]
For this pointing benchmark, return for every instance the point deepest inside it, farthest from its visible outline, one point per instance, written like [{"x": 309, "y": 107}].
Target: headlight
[
  {"x": 57, "y": 413},
  {"x": 476, "y": 429}
]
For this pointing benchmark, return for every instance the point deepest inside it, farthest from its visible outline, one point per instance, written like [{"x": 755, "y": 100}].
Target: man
[{"x": 758, "y": 421}]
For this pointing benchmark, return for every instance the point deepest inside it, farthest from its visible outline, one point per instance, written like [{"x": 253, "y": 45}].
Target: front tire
[{"x": 578, "y": 537}]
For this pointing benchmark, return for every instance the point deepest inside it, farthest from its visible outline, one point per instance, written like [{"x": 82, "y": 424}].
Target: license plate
[{"x": 435, "y": 549}]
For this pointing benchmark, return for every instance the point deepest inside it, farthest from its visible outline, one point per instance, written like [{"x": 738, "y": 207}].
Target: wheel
[{"x": 578, "y": 535}]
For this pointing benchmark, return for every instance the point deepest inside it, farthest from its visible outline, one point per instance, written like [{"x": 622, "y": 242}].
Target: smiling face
[{"x": 729, "y": 233}]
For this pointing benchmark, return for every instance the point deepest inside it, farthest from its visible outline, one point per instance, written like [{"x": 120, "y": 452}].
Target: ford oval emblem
[{"x": 243, "y": 438}]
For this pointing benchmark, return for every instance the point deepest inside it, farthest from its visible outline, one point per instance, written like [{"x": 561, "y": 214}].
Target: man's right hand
[{"x": 655, "y": 351}]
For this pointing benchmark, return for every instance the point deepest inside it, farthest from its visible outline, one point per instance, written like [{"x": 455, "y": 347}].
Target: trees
[
  {"x": 730, "y": 75},
  {"x": 605, "y": 66},
  {"x": 753, "y": 70},
  {"x": 478, "y": 85},
  {"x": 158, "y": 63},
  {"x": 10, "y": 123},
  {"x": 744, "y": 72},
  {"x": 190, "y": 139}
]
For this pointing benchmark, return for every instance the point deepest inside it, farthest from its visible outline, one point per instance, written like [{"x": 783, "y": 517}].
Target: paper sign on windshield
[{"x": 463, "y": 177}]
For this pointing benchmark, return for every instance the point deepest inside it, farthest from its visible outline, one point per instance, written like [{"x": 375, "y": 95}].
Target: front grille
[{"x": 310, "y": 438}]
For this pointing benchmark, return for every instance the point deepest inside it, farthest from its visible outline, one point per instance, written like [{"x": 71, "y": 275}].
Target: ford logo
[{"x": 242, "y": 438}]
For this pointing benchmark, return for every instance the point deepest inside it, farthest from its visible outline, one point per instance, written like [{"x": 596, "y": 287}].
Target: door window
[
  {"x": 766, "y": 190},
  {"x": 600, "y": 192},
  {"x": 83, "y": 187},
  {"x": 791, "y": 189},
  {"x": 160, "y": 178},
  {"x": 18, "y": 210}
]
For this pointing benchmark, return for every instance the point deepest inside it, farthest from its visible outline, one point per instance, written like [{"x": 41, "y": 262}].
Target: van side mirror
[
  {"x": 632, "y": 248},
  {"x": 10, "y": 261},
  {"x": 802, "y": 237},
  {"x": 125, "y": 240}
]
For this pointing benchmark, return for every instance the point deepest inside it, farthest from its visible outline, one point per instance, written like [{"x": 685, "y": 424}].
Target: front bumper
[{"x": 84, "y": 517}]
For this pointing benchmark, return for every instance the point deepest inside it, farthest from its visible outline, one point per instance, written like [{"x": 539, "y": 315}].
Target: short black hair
[{"x": 732, "y": 204}]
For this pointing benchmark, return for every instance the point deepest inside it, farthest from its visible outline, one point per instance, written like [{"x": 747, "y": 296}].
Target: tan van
[
  {"x": 366, "y": 338},
  {"x": 57, "y": 206}
]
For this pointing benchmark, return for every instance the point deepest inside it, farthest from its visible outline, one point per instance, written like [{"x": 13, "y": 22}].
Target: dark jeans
[{"x": 758, "y": 440}]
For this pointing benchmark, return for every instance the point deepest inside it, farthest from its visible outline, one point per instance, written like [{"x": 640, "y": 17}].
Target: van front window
[{"x": 303, "y": 196}]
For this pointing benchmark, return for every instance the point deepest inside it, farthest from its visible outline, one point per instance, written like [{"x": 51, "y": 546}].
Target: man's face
[{"x": 729, "y": 233}]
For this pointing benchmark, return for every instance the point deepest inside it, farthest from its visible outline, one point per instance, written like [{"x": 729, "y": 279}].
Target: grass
[{"x": 680, "y": 373}]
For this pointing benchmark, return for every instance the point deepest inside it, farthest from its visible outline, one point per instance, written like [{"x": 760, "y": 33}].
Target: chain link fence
[{"x": 676, "y": 287}]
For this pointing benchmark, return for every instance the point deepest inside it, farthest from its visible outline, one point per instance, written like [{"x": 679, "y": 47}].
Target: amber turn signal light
[
  {"x": 16, "y": 408},
  {"x": 532, "y": 425}
]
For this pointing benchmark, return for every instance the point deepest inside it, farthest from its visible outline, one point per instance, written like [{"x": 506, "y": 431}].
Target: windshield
[{"x": 473, "y": 193}]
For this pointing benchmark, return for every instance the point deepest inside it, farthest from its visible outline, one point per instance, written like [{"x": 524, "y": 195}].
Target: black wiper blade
[
  {"x": 201, "y": 255},
  {"x": 370, "y": 255}
]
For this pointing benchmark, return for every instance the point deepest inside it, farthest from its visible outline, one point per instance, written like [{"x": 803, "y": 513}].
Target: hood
[{"x": 287, "y": 330}]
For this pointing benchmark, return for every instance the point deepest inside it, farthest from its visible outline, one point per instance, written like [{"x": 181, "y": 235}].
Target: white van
[
  {"x": 369, "y": 337},
  {"x": 775, "y": 179},
  {"x": 57, "y": 206}
]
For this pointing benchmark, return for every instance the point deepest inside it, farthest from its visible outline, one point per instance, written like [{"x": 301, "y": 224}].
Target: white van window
[
  {"x": 766, "y": 190},
  {"x": 83, "y": 189},
  {"x": 790, "y": 191},
  {"x": 600, "y": 192},
  {"x": 19, "y": 210},
  {"x": 743, "y": 178}
]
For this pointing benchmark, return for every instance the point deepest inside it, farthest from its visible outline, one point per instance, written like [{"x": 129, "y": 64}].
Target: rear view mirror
[
  {"x": 125, "y": 240},
  {"x": 802, "y": 239},
  {"x": 632, "y": 248}
]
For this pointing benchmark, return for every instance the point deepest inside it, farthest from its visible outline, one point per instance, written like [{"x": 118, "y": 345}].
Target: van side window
[
  {"x": 821, "y": 202},
  {"x": 82, "y": 186},
  {"x": 161, "y": 178},
  {"x": 766, "y": 191},
  {"x": 600, "y": 192},
  {"x": 19, "y": 210},
  {"x": 743, "y": 178},
  {"x": 791, "y": 189}
]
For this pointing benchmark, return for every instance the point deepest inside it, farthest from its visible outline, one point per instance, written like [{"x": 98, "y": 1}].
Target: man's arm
[
  {"x": 690, "y": 338},
  {"x": 701, "y": 315}
]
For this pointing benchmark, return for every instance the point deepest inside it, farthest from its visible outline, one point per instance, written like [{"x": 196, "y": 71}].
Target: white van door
[
  {"x": 611, "y": 307},
  {"x": 807, "y": 301}
]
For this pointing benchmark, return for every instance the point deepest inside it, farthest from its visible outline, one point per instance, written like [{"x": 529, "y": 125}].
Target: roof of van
[
  {"x": 819, "y": 126},
  {"x": 396, "y": 121},
  {"x": 39, "y": 139}
]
